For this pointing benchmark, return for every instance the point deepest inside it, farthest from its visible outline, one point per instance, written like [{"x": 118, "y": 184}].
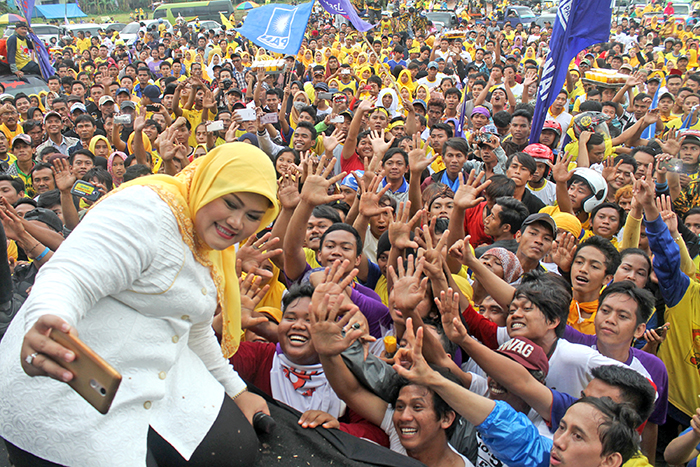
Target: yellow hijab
[
  {"x": 272, "y": 300},
  {"x": 95, "y": 139},
  {"x": 130, "y": 142},
  {"x": 201, "y": 182},
  {"x": 409, "y": 83}
]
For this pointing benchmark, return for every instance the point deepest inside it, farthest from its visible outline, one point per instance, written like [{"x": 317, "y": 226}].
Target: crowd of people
[{"x": 363, "y": 231}]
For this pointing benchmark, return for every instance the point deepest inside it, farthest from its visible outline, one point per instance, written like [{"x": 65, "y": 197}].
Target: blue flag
[
  {"x": 650, "y": 131},
  {"x": 579, "y": 24},
  {"x": 278, "y": 27},
  {"x": 345, "y": 9},
  {"x": 689, "y": 119}
]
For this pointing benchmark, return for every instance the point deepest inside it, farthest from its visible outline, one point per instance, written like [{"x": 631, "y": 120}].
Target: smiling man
[
  {"x": 294, "y": 375},
  {"x": 593, "y": 432}
]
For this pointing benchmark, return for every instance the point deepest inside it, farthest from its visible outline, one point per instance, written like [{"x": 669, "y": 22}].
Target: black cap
[
  {"x": 541, "y": 217},
  {"x": 46, "y": 216}
]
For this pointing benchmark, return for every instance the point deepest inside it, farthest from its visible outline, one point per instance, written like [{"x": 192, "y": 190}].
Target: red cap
[{"x": 525, "y": 352}]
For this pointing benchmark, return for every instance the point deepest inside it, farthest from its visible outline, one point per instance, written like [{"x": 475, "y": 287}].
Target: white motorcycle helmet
[{"x": 595, "y": 182}]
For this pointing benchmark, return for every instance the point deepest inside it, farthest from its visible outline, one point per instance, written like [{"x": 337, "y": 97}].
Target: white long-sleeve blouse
[{"x": 134, "y": 291}]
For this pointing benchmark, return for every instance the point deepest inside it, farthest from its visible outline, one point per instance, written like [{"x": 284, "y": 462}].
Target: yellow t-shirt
[
  {"x": 23, "y": 56},
  {"x": 10, "y": 158},
  {"x": 193, "y": 116},
  {"x": 83, "y": 44},
  {"x": 678, "y": 122},
  {"x": 311, "y": 258}
]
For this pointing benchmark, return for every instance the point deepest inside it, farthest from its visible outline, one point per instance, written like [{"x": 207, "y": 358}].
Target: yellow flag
[{"x": 225, "y": 21}]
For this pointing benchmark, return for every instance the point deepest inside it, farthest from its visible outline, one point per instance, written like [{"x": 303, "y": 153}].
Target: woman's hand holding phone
[{"x": 40, "y": 353}]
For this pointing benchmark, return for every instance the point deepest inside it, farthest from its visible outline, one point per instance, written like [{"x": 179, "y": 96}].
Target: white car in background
[
  {"x": 45, "y": 32},
  {"x": 208, "y": 25},
  {"x": 131, "y": 32}
]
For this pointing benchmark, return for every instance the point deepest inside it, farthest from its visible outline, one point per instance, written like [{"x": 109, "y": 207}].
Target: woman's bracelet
[{"x": 43, "y": 254}]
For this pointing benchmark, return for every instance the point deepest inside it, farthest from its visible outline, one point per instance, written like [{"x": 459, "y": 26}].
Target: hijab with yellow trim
[{"x": 206, "y": 179}]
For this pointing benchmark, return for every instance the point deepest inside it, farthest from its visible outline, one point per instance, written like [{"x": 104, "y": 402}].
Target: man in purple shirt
[{"x": 623, "y": 310}]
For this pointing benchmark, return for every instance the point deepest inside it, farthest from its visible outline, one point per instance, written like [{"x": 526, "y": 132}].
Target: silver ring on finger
[{"x": 30, "y": 358}]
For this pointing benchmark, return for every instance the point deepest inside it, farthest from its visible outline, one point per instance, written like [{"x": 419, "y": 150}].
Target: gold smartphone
[{"x": 93, "y": 378}]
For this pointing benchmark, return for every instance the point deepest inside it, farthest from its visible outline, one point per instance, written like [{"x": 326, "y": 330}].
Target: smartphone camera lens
[{"x": 98, "y": 387}]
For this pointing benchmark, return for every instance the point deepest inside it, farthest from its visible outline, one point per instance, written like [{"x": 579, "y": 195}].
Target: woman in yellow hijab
[
  {"x": 405, "y": 80},
  {"x": 99, "y": 146},
  {"x": 319, "y": 58},
  {"x": 145, "y": 303},
  {"x": 308, "y": 58},
  {"x": 423, "y": 93}
]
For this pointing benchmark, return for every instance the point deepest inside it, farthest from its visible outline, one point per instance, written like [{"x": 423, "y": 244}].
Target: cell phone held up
[
  {"x": 85, "y": 190},
  {"x": 93, "y": 378},
  {"x": 122, "y": 119},
  {"x": 672, "y": 165}
]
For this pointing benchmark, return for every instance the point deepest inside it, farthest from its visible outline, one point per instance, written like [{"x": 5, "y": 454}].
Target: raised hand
[
  {"x": 230, "y": 136},
  {"x": 366, "y": 105},
  {"x": 448, "y": 305},
  {"x": 11, "y": 222},
  {"x": 209, "y": 102},
  {"x": 369, "y": 199},
  {"x": 410, "y": 363},
  {"x": 332, "y": 141},
  {"x": 563, "y": 251},
  {"x": 168, "y": 144},
  {"x": 62, "y": 174},
  {"x": 670, "y": 143},
  {"x": 379, "y": 145},
  {"x": 255, "y": 252},
  {"x": 401, "y": 227},
  {"x": 560, "y": 171},
  {"x": 417, "y": 160},
  {"x": 315, "y": 189},
  {"x": 665, "y": 207},
  {"x": 462, "y": 252},
  {"x": 610, "y": 168},
  {"x": 530, "y": 78},
  {"x": 408, "y": 287},
  {"x": 288, "y": 189},
  {"x": 644, "y": 190},
  {"x": 467, "y": 195},
  {"x": 139, "y": 123},
  {"x": 251, "y": 294},
  {"x": 330, "y": 335}
]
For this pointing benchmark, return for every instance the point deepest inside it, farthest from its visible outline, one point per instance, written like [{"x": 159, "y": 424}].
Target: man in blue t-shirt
[{"x": 397, "y": 58}]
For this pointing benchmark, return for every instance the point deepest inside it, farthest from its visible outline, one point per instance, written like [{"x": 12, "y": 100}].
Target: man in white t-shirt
[
  {"x": 434, "y": 76},
  {"x": 539, "y": 309}
]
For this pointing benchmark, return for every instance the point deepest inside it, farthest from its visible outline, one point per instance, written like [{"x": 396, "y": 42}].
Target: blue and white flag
[
  {"x": 277, "y": 27},
  {"x": 650, "y": 131},
  {"x": 579, "y": 24},
  {"x": 345, "y": 9}
]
